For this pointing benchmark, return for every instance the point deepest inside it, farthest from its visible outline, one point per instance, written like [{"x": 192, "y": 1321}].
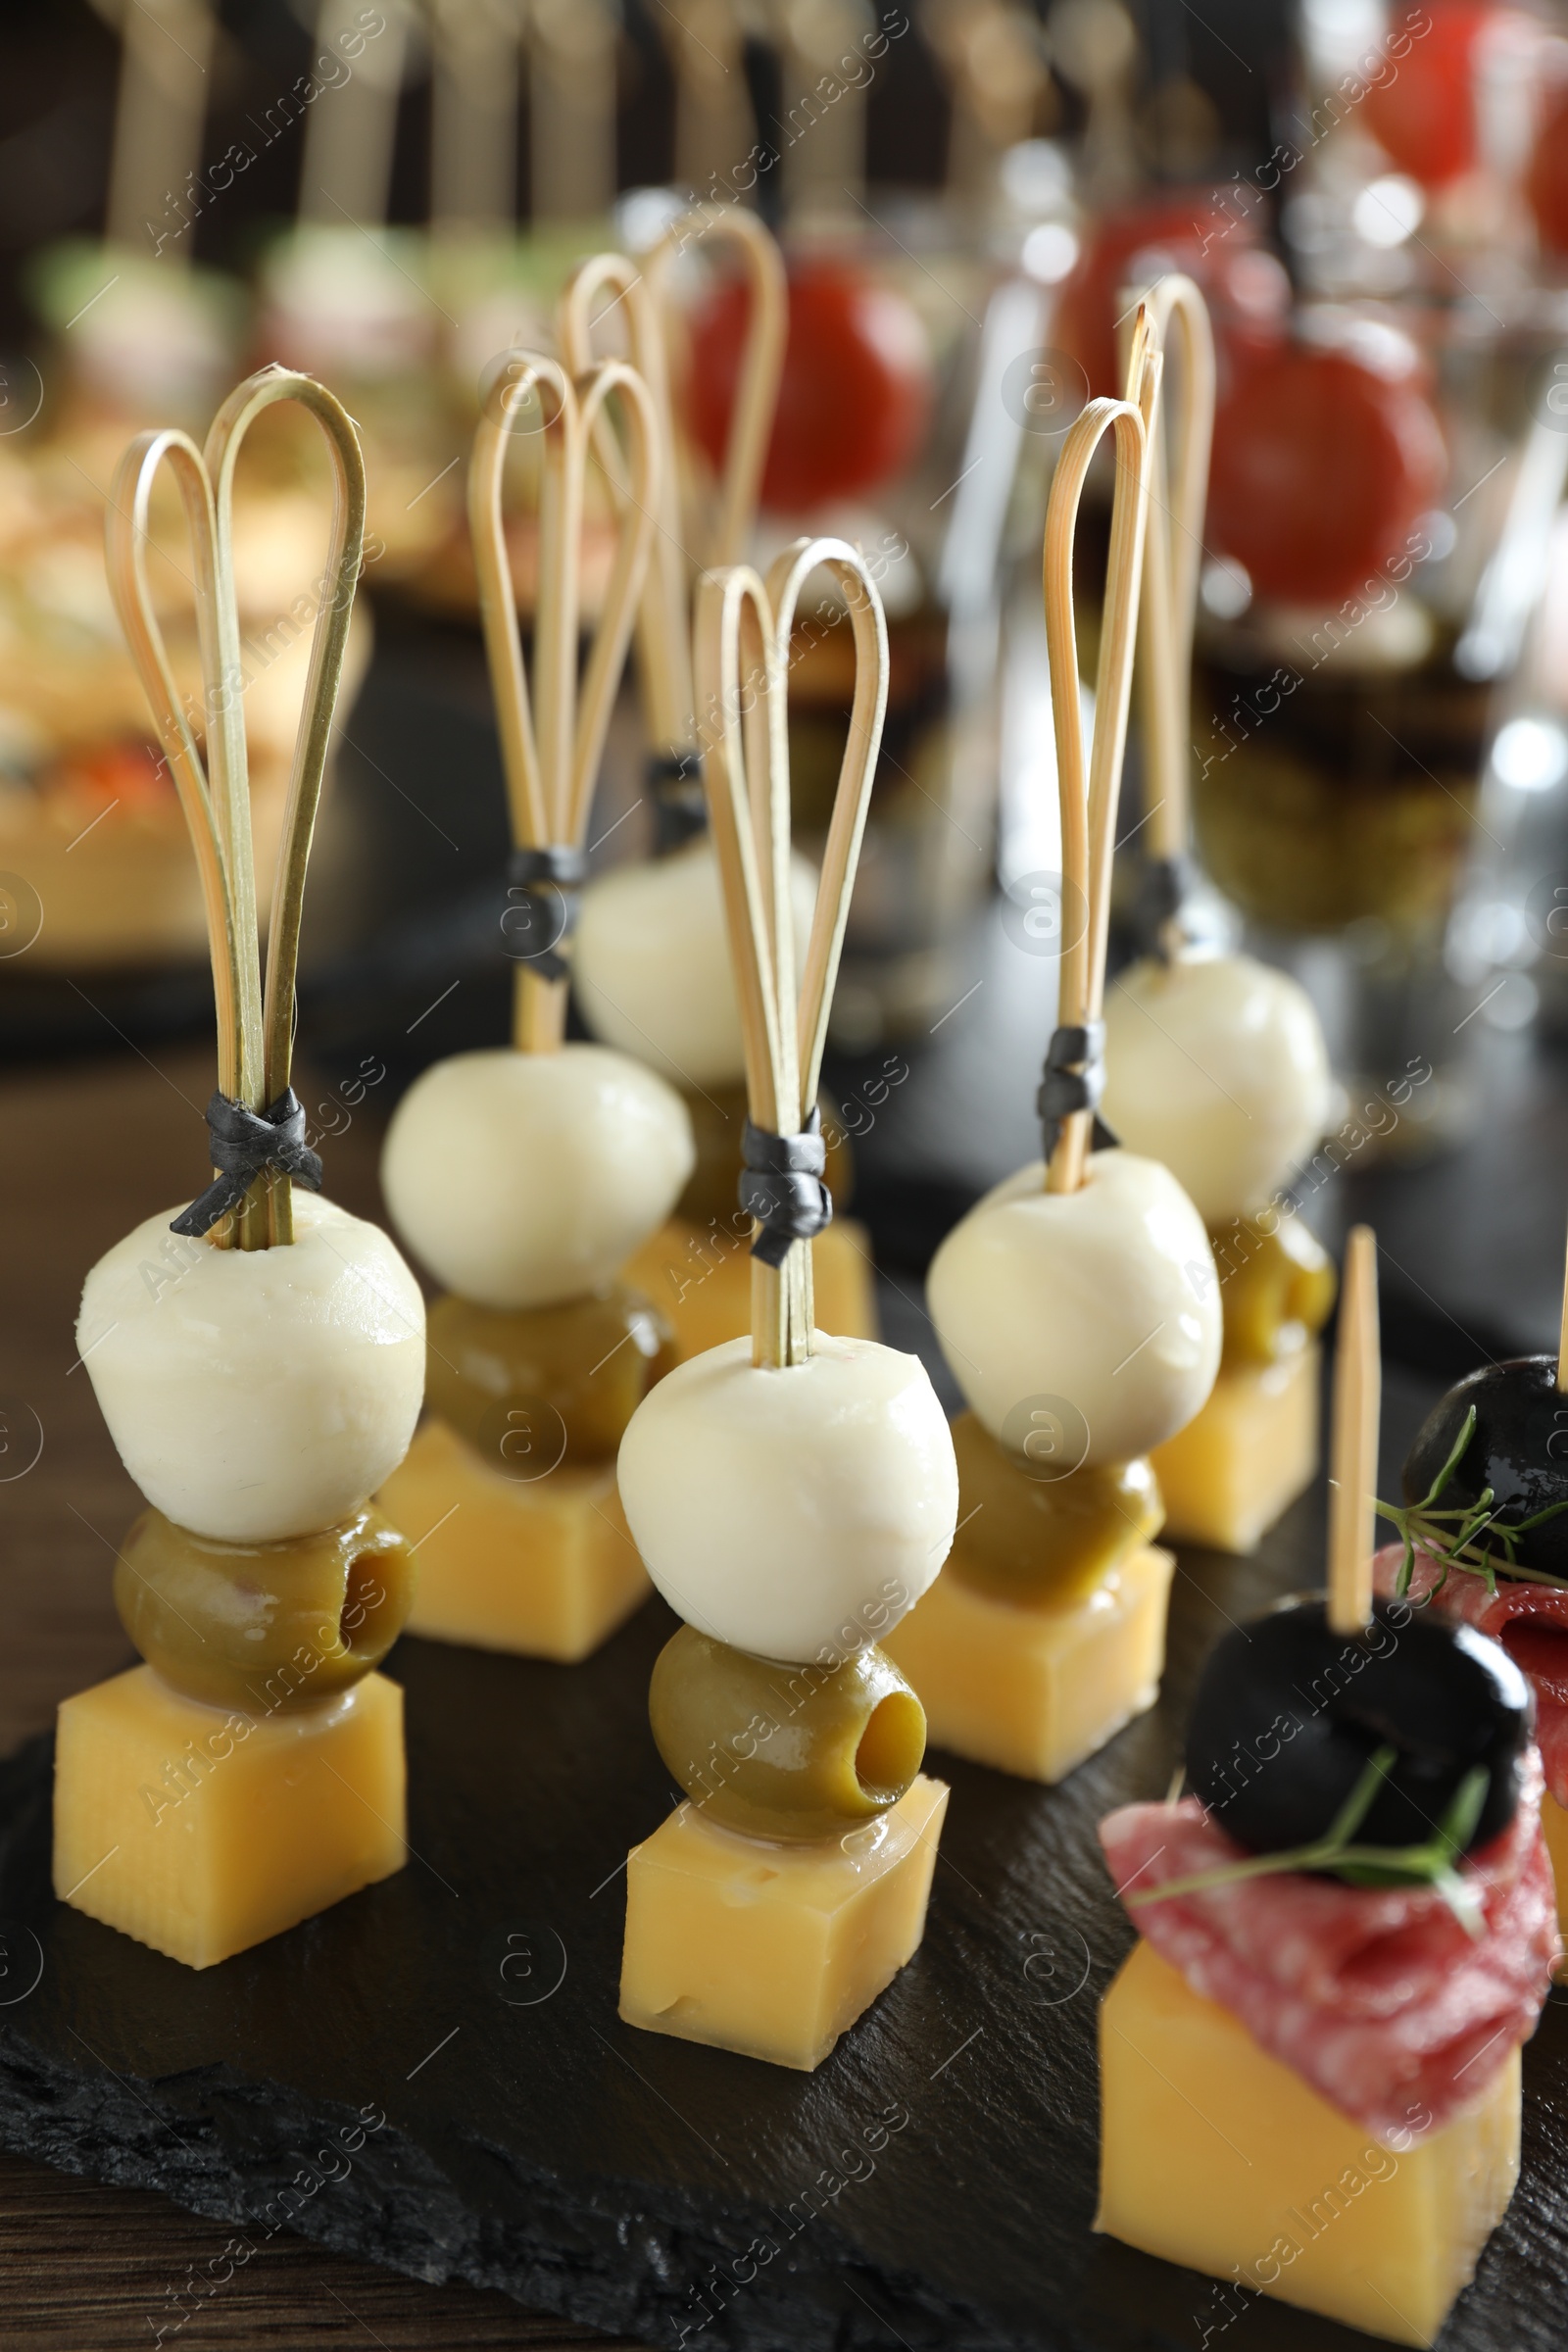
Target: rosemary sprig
[
  {"x": 1461, "y": 1538},
  {"x": 1431, "y": 1863}
]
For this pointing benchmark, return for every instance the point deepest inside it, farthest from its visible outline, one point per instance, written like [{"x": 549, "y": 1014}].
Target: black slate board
[{"x": 931, "y": 2185}]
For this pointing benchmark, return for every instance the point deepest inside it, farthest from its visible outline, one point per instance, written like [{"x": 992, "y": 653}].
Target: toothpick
[
  {"x": 254, "y": 1033},
  {"x": 742, "y": 634},
  {"x": 1562, "y": 1336},
  {"x": 553, "y": 737},
  {"x": 1178, "y": 461},
  {"x": 1089, "y": 799},
  {"x": 1354, "y": 1455}
]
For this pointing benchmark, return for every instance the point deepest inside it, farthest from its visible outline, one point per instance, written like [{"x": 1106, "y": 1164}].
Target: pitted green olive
[
  {"x": 264, "y": 1626},
  {"x": 1276, "y": 1289},
  {"x": 784, "y": 1751},
  {"x": 1039, "y": 1542},
  {"x": 718, "y": 1117},
  {"x": 552, "y": 1383}
]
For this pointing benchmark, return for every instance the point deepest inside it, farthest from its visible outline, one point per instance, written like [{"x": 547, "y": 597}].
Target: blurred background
[{"x": 1374, "y": 200}]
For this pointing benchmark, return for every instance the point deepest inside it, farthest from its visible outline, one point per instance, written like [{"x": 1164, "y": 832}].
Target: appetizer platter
[{"x": 617, "y": 1797}]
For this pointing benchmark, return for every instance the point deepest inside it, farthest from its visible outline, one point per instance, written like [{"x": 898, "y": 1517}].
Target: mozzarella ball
[
  {"x": 1088, "y": 1322},
  {"x": 651, "y": 964},
  {"x": 521, "y": 1179},
  {"x": 1217, "y": 1065},
  {"x": 797, "y": 1514},
  {"x": 255, "y": 1394}
]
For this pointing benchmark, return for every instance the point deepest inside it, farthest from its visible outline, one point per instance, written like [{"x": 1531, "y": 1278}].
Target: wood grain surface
[{"x": 86, "y": 1152}]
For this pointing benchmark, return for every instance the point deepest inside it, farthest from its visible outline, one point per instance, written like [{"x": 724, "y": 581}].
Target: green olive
[
  {"x": 1276, "y": 1289},
  {"x": 266, "y": 1628},
  {"x": 1044, "y": 1542},
  {"x": 541, "y": 1385},
  {"x": 784, "y": 1751},
  {"x": 717, "y": 1120}
]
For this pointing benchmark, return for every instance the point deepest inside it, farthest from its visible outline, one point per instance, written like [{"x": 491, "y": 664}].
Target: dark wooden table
[{"x": 85, "y": 1152}]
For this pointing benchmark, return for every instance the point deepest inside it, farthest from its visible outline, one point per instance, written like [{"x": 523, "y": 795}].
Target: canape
[
  {"x": 1309, "y": 2065},
  {"x": 524, "y": 1177},
  {"x": 1076, "y": 1303},
  {"x": 791, "y": 1492},
  {"x": 259, "y": 1360}
]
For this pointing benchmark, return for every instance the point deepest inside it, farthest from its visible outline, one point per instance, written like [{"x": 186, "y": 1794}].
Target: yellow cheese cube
[
  {"x": 1216, "y": 2155},
  {"x": 1035, "y": 1690},
  {"x": 543, "y": 1567},
  {"x": 1253, "y": 1450},
  {"x": 1555, "y": 1829},
  {"x": 702, "y": 1284},
  {"x": 202, "y": 1833},
  {"x": 774, "y": 1950}
]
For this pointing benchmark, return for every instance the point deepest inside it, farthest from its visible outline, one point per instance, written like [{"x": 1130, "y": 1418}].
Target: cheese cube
[
  {"x": 1215, "y": 2155},
  {"x": 201, "y": 1831},
  {"x": 544, "y": 1567},
  {"x": 702, "y": 1283},
  {"x": 1035, "y": 1690},
  {"x": 1243, "y": 1460},
  {"x": 774, "y": 1950},
  {"x": 1555, "y": 1829}
]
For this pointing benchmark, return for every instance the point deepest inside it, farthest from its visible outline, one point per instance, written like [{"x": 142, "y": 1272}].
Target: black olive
[
  {"x": 1288, "y": 1713},
  {"x": 1519, "y": 1450}
]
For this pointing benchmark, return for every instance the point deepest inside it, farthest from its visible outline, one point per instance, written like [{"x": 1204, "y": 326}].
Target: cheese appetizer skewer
[
  {"x": 1216, "y": 1065},
  {"x": 260, "y": 1374},
  {"x": 525, "y": 1176},
  {"x": 1076, "y": 1303},
  {"x": 791, "y": 1492},
  {"x": 1350, "y": 1932}
]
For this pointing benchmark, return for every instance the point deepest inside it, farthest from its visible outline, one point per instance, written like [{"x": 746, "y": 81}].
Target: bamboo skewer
[
  {"x": 743, "y": 630},
  {"x": 1181, "y": 437},
  {"x": 553, "y": 737},
  {"x": 1358, "y": 1396},
  {"x": 664, "y": 621},
  {"x": 255, "y": 1032},
  {"x": 1562, "y": 1335},
  {"x": 1089, "y": 799}
]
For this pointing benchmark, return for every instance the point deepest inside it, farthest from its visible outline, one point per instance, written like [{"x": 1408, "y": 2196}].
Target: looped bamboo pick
[
  {"x": 743, "y": 632},
  {"x": 1181, "y": 436},
  {"x": 552, "y": 738},
  {"x": 255, "y": 1035},
  {"x": 643, "y": 290},
  {"x": 1089, "y": 795},
  {"x": 1353, "y": 1453}
]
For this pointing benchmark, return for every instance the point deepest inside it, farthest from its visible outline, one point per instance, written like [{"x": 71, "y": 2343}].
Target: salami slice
[
  {"x": 1377, "y": 1997},
  {"x": 1531, "y": 1621}
]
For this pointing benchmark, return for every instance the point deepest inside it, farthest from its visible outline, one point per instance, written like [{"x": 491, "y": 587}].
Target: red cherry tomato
[
  {"x": 856, "y": 389},
  {"x": 1197, "y": 231},
  {"x": 1322, "y": 464},
  {"x": 1423, "y": 113},
  {"x": 1547, "y": 182},
  {"x": 128, "y": 774}
]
